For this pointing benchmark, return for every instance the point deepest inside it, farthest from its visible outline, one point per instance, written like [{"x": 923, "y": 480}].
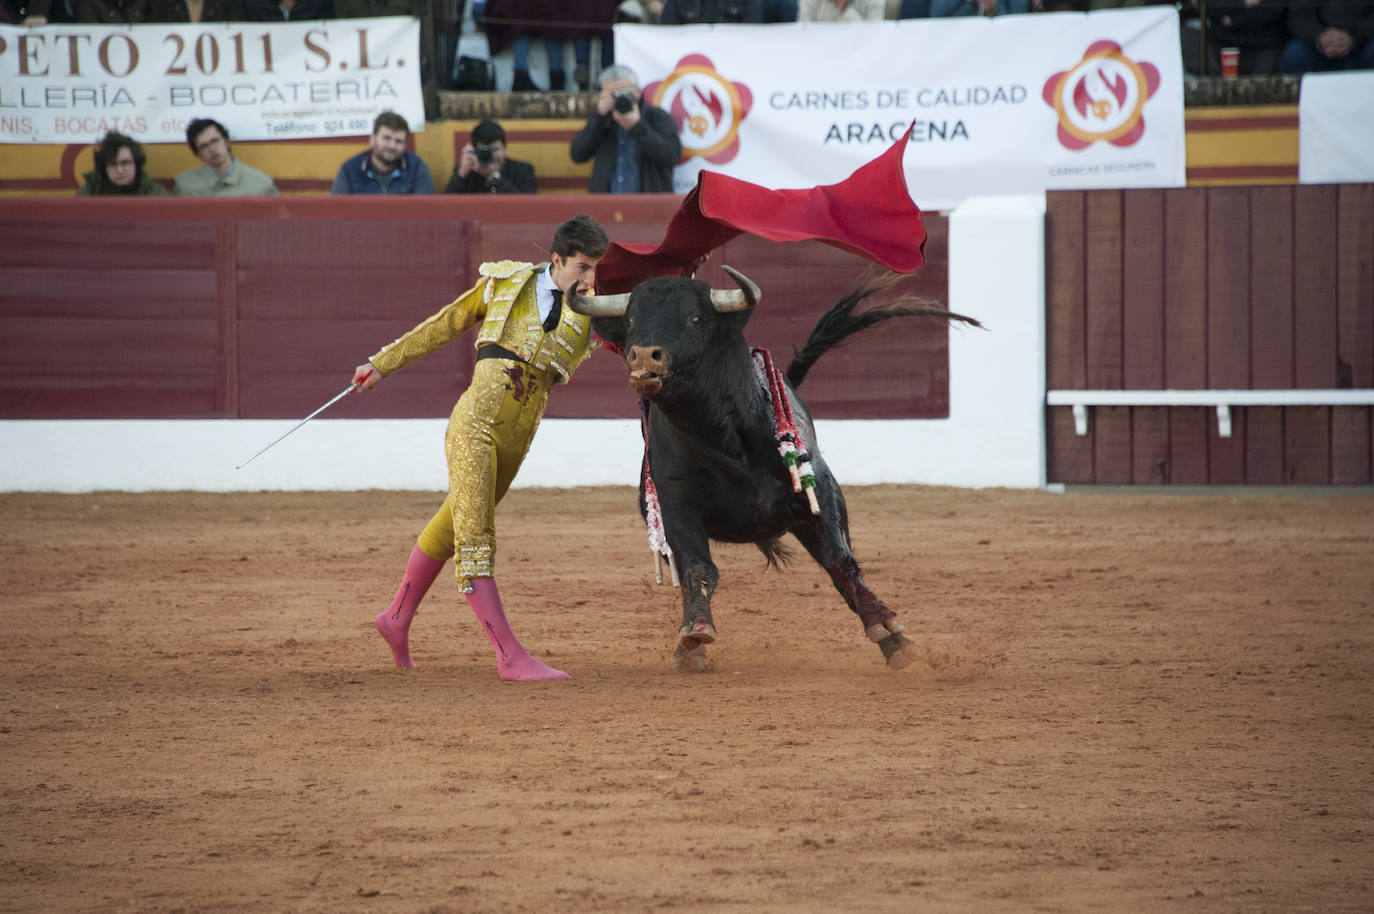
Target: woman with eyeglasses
[{"x": 119, "y": 162}]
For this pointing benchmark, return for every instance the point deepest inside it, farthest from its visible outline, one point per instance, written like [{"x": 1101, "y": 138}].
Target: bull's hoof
[
  {"x": 881, "y": 631},
  {"x": 690, "y": 661},
  {"x": 695, "y": 634},
  {"x": 898, "y": 650}
]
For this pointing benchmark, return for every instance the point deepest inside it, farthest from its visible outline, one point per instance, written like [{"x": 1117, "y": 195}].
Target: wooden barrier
[
  {"x": 257, "y": 307},
  {"x": 1203, "y": 291}
]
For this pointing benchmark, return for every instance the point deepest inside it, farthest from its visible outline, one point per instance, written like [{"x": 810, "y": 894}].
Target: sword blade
[{"x": 345, "y": 392}]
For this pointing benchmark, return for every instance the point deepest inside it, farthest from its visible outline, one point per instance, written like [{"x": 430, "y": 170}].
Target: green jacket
[
  {"x": 144, "y": 187},
  {"x": 242, "y": 181}
]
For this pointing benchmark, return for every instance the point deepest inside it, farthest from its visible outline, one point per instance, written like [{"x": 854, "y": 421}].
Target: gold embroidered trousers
[{"x": 489, "y": 433}]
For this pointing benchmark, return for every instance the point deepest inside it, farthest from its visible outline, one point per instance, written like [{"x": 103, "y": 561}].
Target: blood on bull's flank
[{"x": 731, "y": 450}]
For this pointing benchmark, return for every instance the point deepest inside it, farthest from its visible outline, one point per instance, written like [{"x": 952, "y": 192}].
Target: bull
[{"x": 713, "y": 454}]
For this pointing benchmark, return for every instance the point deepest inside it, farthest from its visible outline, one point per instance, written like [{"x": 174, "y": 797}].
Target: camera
[
  {"x": 624, "y": 101},
  {"x": 483, "y": 154}
]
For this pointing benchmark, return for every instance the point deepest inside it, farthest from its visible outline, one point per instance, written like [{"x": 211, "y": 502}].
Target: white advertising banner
[
  {"x": 72, "y": 83},
  {"x": 1003, "y": 105},
  {"x": 1336, "y": 128}
]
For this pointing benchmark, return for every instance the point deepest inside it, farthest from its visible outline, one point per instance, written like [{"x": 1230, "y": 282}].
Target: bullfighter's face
[{"x": 575, "y": 268}]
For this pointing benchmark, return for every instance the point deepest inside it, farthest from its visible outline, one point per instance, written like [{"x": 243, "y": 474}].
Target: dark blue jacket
[{"x": 357, "y": 177}]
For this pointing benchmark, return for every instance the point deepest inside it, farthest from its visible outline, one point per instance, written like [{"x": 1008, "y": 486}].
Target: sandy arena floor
[{"x": 1125, "y": 703}]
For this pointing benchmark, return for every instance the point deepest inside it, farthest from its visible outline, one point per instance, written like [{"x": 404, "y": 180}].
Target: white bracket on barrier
[
  {"x": 1222, "y": 400},
  {"x": 1080, "y": 419}
]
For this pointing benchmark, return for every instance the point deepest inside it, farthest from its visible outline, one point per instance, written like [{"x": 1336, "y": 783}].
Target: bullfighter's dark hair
[
  {"x": 390, "y": 119},
  {"x": 580, "y": 235},
  {"x": 199, "y": 126}
]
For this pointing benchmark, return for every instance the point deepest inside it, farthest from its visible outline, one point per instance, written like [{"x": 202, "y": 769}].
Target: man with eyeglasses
[
  {"x": 222, "y": 175},
  {"x": 484, "y": 167}
]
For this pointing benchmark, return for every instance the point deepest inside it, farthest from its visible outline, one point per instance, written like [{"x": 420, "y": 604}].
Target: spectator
[
  {"x": 483, "y": 167},
  {"x": 287, "y": 10},
  {"x": 119, "y": 162},
  {"x": 520, "y": 62},
  {"x": 222, "y": 175},
  {"x": 194, "y": 11},
  {"x": 553, "y": 48},
  {"x": 107, "y": 12},
  {"x": 841, "y": 10},
  {"x": 1335, "y": 37},
  {"x": 387, "y": 167},
  {"x": 38, "y": 12},
  {"x": 582, "y": 58},
  {"x": 1258, "y": 28},
  {"x": 635, "y": 144},
  {"x": 947, "y": 8},
  {"x": 516, "y": 23},
  {"x": 644, "y": 12},
  {"x": 693, "y": 12},
  {"x": 909, "y": 9}
]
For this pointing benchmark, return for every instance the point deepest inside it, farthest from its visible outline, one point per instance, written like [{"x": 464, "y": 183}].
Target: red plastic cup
[{"x": 1230, "y": 62}]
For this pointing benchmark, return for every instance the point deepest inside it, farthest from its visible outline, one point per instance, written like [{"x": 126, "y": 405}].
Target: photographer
[
  {"x": 635, "y": 144},
  {"x": 483, "y": 167}
]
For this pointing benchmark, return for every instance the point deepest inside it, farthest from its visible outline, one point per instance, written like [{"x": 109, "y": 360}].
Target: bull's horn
[
  {"x": 741, "y": 299},
  {"x": 597, "y": 305}
]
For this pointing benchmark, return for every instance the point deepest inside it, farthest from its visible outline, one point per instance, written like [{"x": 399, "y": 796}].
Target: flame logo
[
  {"x": 1102, "y": 97},
  {"x": 707, "y": 108}
]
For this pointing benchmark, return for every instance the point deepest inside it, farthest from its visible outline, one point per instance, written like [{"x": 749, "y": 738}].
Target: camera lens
[
  {"x": 624, "y": 103},
  {"x": 483, "y": 155}
]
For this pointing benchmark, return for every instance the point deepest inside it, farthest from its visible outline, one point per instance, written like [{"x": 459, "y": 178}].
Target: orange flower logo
[
  {"x": 707, "y": 107},
  {"x": 1102, "y": 97}
]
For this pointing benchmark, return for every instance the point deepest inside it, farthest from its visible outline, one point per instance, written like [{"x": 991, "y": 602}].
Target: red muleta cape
[{"x": 870, "y": 213}]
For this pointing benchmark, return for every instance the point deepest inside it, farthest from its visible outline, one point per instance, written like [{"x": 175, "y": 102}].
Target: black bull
[{"x": 712, "y": 448}]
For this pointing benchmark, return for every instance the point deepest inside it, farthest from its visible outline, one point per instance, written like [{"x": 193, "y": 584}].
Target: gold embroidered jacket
[{"x": 492, "y": 302}]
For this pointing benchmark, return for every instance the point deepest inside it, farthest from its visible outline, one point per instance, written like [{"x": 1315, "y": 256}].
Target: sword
[{"x": 335, "y": 399}]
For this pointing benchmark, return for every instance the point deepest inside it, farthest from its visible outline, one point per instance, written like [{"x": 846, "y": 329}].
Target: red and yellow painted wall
[
  {"x": 303, "y": 166},
  {"x": 1255, "y": 144}
]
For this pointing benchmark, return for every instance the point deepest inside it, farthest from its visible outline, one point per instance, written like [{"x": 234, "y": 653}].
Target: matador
[{"x": 526, "y": 342}]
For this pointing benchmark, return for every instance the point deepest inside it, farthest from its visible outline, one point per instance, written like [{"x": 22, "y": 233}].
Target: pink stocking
[
  {"x": 394, "y": 624},
  {"x": 512, "y": 661}
]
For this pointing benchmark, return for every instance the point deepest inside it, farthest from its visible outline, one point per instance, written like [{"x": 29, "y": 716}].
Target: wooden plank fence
[{"x": 1248, "y": 289}]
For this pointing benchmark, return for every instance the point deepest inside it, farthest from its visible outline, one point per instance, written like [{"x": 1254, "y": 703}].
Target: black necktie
[{"x": 551, "y": 321}]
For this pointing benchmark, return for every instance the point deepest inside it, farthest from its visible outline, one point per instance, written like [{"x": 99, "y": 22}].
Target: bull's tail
[{"x": 841, "y": 322}]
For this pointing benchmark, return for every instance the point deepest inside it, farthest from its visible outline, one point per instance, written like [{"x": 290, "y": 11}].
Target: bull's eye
[{"x": 696, "y": 318}]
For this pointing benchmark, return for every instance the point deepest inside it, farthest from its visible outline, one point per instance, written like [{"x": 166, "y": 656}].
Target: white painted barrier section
[{"x": 994, "y": 435}]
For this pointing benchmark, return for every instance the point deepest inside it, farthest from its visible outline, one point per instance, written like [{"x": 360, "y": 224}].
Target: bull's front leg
[{"x": 698, "y": 576}]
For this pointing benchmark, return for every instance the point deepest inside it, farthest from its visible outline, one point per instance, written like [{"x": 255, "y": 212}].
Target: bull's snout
[{"x": 648, "y": 367}]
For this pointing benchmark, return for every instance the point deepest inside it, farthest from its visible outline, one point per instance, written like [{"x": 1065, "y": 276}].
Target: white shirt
[{"x": 543, "y": 293}]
